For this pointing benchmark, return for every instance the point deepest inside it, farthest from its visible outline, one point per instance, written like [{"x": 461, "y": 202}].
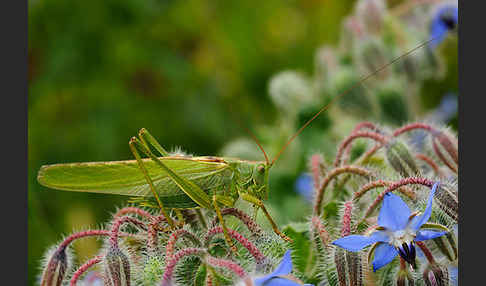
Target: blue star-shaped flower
[
  {"x": 305, "y": 186},
  {"x": 280, "y": 276},
  {"x": 444, "y": 21},
  {"x": 397, "y": 233}
]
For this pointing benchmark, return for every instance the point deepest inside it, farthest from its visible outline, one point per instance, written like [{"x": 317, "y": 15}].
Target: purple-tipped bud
[
  {"x": 400, "y": 159},
  {"x": 117, "y": 268},
  {"x": 55, "y": 270},
  {"x": 434, "y": 275}
]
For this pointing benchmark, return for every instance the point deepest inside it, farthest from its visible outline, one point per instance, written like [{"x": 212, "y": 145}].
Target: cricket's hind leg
[
  {"x": 257, "y": 202},
  {"x": 187, "y": 186},
  {"x": 141, "y": 144}
]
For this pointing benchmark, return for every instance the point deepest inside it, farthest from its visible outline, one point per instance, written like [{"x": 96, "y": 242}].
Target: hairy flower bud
[
  {"x": 404, "y": 278},
  {"x": 289, "y": 89},
  {"x": 355, "y": 100},
  {"x": 435, "y": 275},
  {"x": 117, "y": 268},
  {"x": 400, "y": 159},
  {"x": 444, "y": 143},
  {"x": 391, "y": 98},
  {"x": 55, "y": 270},
  {"x": 448, "y": 201},
  {"x": 371, "y": 13},
  {"x": 340, "y": 261}
]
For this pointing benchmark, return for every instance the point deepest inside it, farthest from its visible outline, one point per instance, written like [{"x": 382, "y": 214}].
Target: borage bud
[
  {"x": 289, "y": 89},
  {"x": 340, "y": 262},
  {"x": 117, "y": 268},
  {"x": 391, "y": 99},
  {"x": 448, "y": 201},
  {"x": 400, "y": 159},
  {"x": 404, "y": 278},
  {"x": 371, "y": 13},
  {"x": 355, "y": 100},
  {"x": 446, "y": 144},
  {"x": 435, "y": 275},
  {"x": 55, "y": 270}
]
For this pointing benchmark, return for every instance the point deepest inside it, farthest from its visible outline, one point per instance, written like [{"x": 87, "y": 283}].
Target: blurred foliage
[{"x": 188, "y": 71}]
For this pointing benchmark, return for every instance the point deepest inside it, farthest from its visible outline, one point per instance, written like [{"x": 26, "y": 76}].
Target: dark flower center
[
  {"x": 407, "y": 252},
  {"x": 447, "y": 18}
]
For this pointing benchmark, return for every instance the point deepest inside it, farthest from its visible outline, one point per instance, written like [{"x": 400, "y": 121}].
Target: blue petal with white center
[
  {"x": 358, "y": 242},
  {"x": 394, "y": 213},
  {"x": 398, "y": 232},
  {"x": 418, "y": 221},
  {"x": 425, "y": 234},
  {"x": 384, "y": 254},
  {"x": 279, "y": 277}
]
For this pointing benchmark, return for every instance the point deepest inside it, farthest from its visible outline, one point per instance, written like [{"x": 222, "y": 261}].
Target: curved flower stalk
[{"x": 397, "y": 233}]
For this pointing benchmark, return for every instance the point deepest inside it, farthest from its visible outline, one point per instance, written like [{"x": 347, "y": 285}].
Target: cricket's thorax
[{"x": 251, "y": 177}]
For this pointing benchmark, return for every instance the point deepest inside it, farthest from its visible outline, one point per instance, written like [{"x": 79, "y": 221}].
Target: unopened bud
[
  {"x": 448, "y": 201},
  {"x": 117, "y": 268},
  {"x": 371, "y": 13},
  {"x": 435, "y": 275},
  {"x": 391, "y": 100},
  {"x": 354, "y": 100},
  {"x": 340, "y": 261},
  {"x": 404, "y": 278},
  {"x": 326, "y": 64},
  {"x": 289, "y": 89},
  {"x": 153, "y": 270},
  {"x": 441, "y": 243},
  {"x": 446, "y": 144},
  {"x": 355, "y": 270},
  {"x": 400, "y": 159},
  {"x": 371, "y": 55},
  {"x": 55, "y": 270}
]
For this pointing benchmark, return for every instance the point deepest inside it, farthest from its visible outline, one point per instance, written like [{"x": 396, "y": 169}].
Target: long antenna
[
  {"x": 238, "y": 121},
  {"x": 344, "y": 93}
]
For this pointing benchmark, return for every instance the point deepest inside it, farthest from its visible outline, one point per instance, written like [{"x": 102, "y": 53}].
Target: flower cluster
[
  {"x": 413, "y": 227},
  {"x": 383, "y": 208}
]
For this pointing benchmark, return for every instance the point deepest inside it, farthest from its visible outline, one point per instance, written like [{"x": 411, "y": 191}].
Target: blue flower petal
[
  {"x": 284, "y": 268},
  {"x": 384, "y": 254},
  {"x": 425, "y": 234},
  {"x": 281, "y": 281},
  {"x": 418, "y": 221},
  {"x": 394, "y": 213},
  {"x": 439, "y": 28},
  {"x": 357, "y": 242}
]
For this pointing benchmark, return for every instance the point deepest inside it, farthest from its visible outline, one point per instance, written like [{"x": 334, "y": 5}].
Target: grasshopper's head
[{"x": 260, "y": 180}]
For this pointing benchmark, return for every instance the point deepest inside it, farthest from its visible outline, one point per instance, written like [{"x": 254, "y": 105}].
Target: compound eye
[{"x": 261, "y": 169}]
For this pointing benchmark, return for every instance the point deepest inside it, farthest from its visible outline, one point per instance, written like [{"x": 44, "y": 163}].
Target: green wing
[{"x": 125, "y": 178}]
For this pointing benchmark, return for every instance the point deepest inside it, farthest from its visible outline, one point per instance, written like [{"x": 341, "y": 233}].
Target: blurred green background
[{"x": 101, "y": 70}]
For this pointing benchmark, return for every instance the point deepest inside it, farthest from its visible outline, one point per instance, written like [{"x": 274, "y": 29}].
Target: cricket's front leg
[
  {"x": 257, "y": 202},
  {"x": 223, "y": 200}
]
